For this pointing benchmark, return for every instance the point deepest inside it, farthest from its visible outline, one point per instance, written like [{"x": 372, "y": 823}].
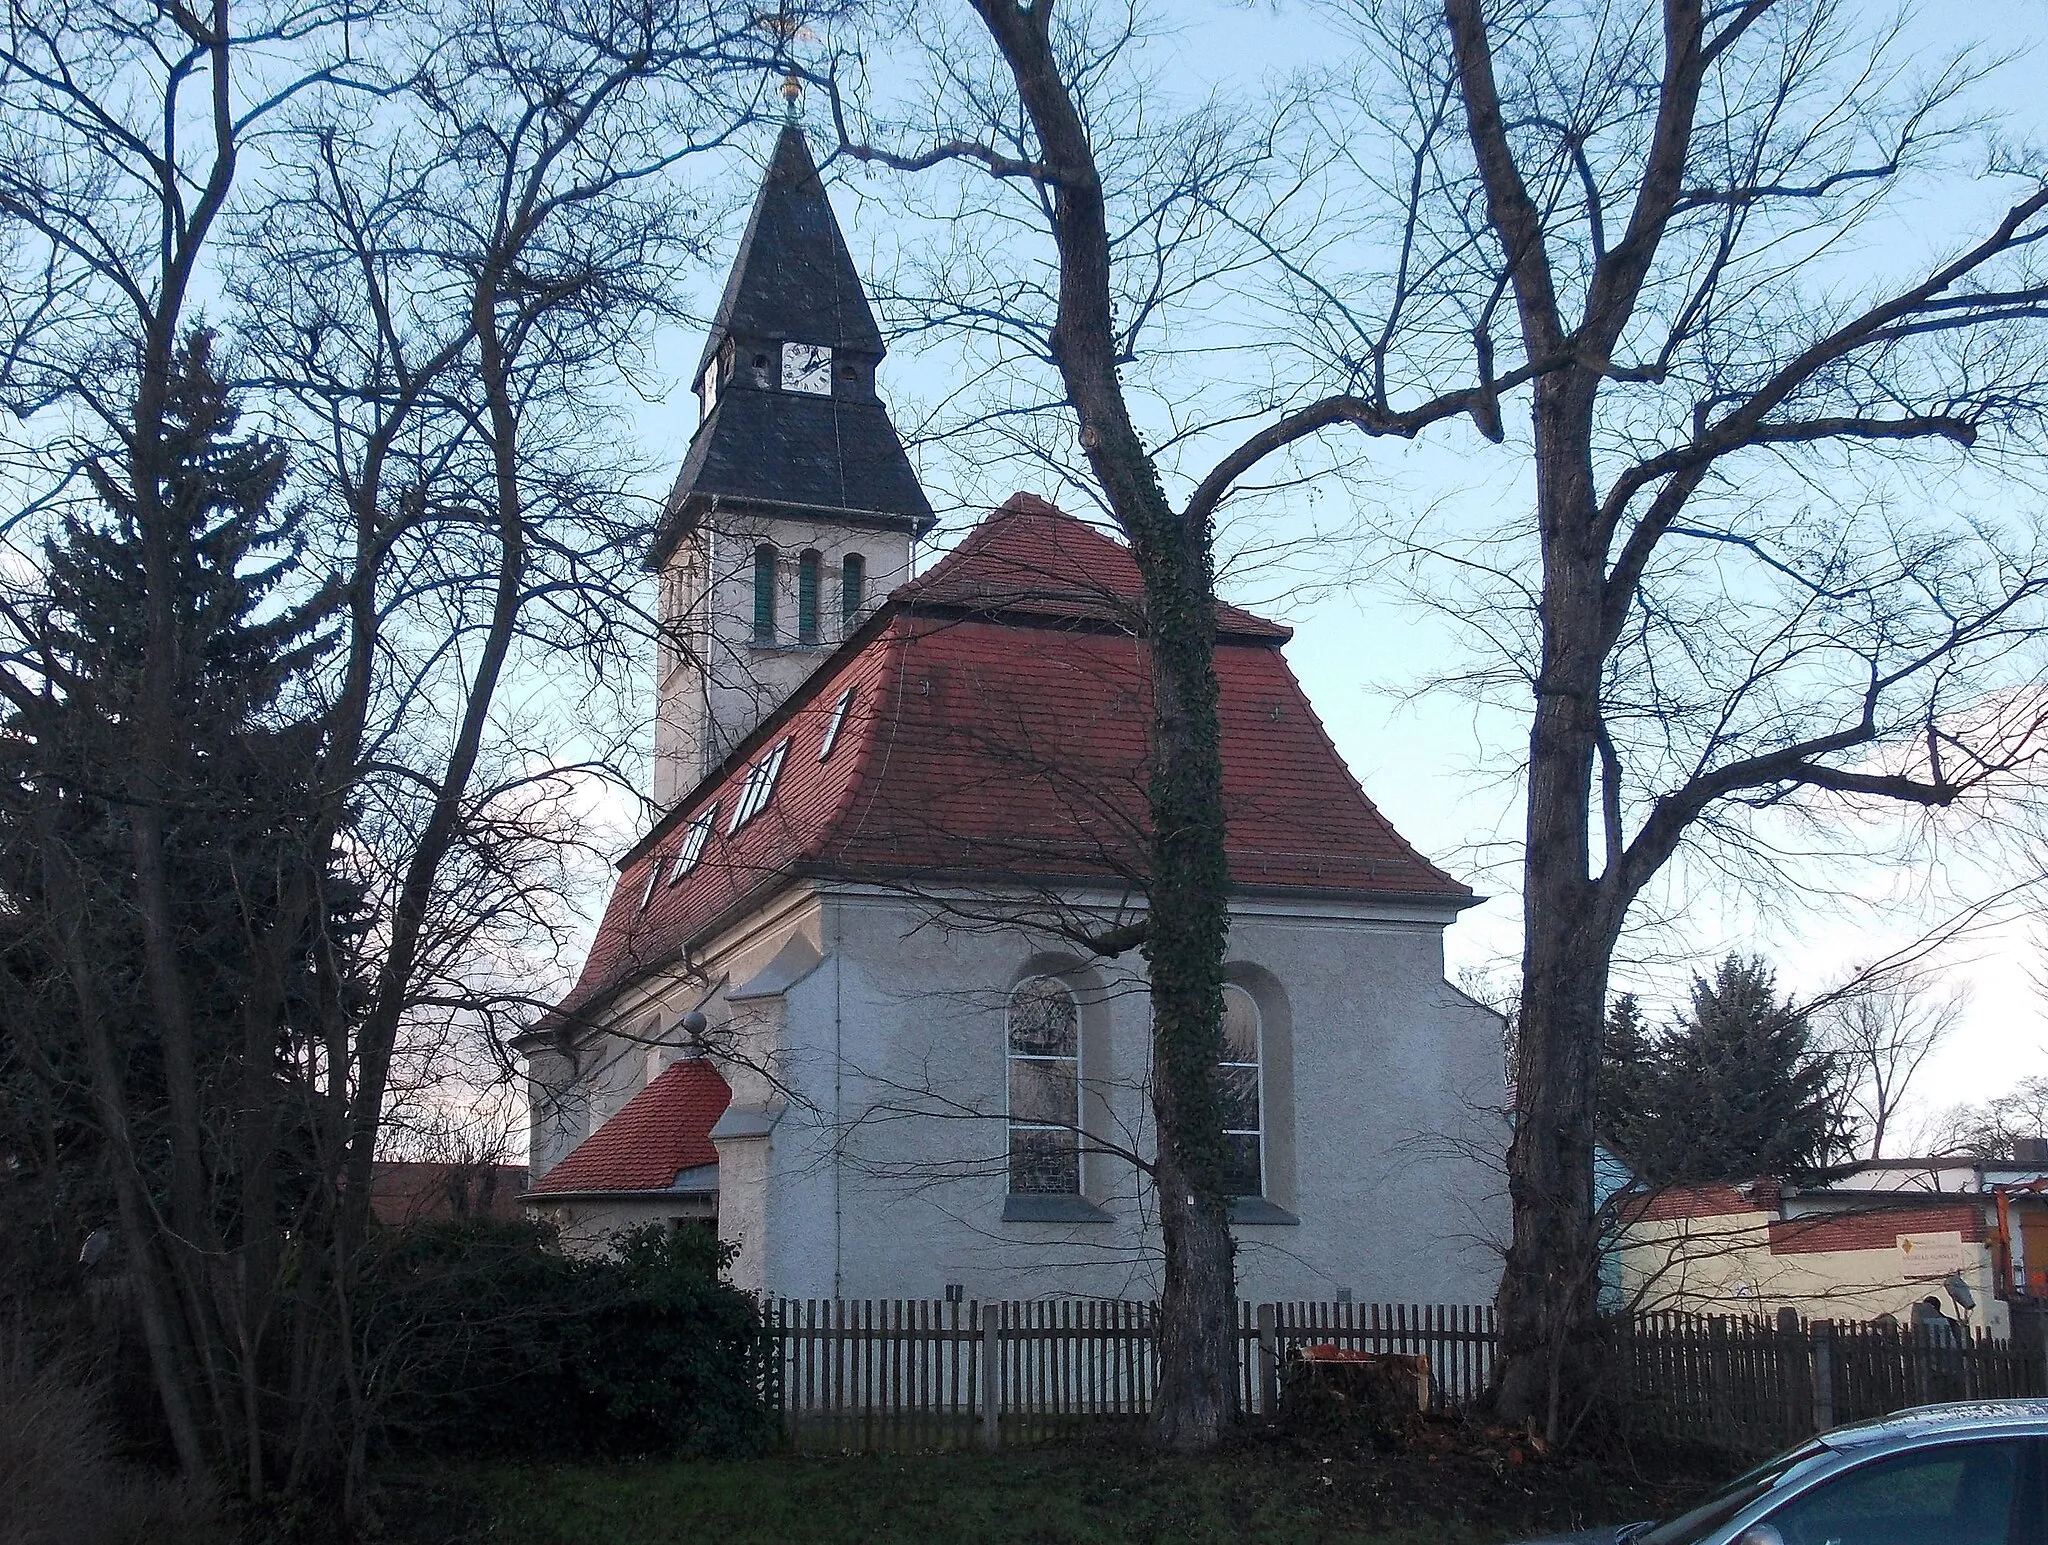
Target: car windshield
[{"x": 1733, "y": 1498}]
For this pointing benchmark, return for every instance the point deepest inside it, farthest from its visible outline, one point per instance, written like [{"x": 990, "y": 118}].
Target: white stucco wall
[
  {"x": 713, "y": 683},
  {"x": 880, "y": 1064},
  {"x": 887, "y": 1175}
]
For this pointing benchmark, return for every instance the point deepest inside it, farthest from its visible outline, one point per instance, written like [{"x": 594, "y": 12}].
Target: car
[{"x": 1970, "y": 1473}]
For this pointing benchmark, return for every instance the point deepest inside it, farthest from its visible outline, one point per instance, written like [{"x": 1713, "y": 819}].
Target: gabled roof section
[
  {"x": 1030, "y": 559},
  {"x": 793, "y": 277},
  {"x": 996, "y": 736},
  {"x": 660, "y": 1132}
]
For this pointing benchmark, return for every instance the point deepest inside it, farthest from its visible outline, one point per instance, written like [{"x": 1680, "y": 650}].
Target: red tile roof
[
  {"x": 663, "y": 1129},
  {"x": 997, "y": 731},
  {"x": 1029, "y": 559},
  {"x": 407, "y": 1191},
  {"x": 1715, "y": 1200},
  {"x": 1879, "y": 1228}
]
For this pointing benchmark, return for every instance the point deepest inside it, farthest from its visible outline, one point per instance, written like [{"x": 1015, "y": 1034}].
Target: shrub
[
  {"x": 482, "y": 1337},
  {"x": 64, "y": 1485}
]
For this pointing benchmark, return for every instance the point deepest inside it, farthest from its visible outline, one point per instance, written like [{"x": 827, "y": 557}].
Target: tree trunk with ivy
[{"x": 1187, "y": 916}]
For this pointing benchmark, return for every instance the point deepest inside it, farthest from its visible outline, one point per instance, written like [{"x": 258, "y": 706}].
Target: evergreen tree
[
  {"x": 1626, "y": 1067},
  {"x": 1733, "y": 1090},
  {"x": 174, "y": 623}
]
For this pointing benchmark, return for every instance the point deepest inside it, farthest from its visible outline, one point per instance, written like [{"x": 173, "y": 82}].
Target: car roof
[{"x": 1955, "y": 1418}]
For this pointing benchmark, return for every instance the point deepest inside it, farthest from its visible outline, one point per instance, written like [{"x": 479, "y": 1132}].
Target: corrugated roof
[
  {"x": 664, "y": 1129},
  {"x": 997, "y": 730}
]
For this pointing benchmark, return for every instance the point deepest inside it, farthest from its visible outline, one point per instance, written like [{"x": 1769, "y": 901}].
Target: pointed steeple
[
  {"x": 791, "y": 422},
  {"x": 793, "y": 277}
]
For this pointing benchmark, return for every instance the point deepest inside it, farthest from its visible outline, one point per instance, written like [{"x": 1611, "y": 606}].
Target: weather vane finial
[{"x": 788, "y": 29}]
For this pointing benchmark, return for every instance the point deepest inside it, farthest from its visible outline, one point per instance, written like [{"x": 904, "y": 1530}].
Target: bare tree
[
  {"x": 1023, "y": 116},
  {"x": 1729, "y": 612},
  {"x": 1880, "y": 1033},
  {"x": 1992, "y": 1129},
  {"x": 1765, "y": 577},
  {"x": 440, "y": 260}
]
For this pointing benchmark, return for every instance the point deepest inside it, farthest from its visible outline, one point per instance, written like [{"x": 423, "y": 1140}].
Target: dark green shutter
[
  {"x": 764, "y": 594},
  {"x": 852, "y": 582},
  {"x": 807, "y": 599}
]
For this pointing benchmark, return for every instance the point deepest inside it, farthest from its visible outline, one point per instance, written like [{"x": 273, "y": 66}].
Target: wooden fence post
[
  {"x": 1269, "y": 1361},
  {"x": 991, "y": 1377},
  {"x": 1823, "y": 1375},
  {"x": 1792, "y": 1380}
]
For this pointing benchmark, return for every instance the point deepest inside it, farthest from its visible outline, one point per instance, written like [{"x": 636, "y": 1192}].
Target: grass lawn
[{"x": 1470, "y": 1494}]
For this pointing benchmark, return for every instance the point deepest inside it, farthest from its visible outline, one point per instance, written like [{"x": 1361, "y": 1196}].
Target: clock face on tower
[{"x": 807, "y": 367}]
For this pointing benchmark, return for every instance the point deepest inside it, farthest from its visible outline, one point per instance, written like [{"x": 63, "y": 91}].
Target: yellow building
[{"x": 1868, "y": 1241}]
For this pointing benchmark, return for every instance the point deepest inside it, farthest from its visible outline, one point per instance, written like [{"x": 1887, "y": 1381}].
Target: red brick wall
[
  {"x": 1675, "y": 1202},
  {"x": 1878, "y": 1229}
]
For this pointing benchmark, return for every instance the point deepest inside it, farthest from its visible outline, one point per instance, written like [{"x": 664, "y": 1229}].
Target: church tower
[{"x": 796, "y": 509}]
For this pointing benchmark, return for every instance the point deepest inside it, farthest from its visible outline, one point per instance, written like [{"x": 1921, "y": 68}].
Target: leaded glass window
[
  {"x": 1044, "y": 1088},
  {"x": 1237, "y": 1091}
]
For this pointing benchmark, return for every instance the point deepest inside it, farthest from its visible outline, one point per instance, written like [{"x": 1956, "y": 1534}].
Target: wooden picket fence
[
  {"x": 1758, "y": 1384},
  {"x": 871, "y": 1374},
  {"x": 1874, "y": 1369},
  {"x": 1745, "y": 1384}
]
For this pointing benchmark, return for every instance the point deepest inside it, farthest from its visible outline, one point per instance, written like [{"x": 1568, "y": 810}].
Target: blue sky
[{"x": 1431, "y": 761}]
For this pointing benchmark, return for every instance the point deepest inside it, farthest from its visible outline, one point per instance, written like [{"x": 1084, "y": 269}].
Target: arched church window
[
  {"x": 1237, "y": 1090},
  {"x": 853, "y": 585},
  {"x": 807, "y": 565},
  {"x": 764, "y": 594},
  {"x": 1044, "y": 1088}
]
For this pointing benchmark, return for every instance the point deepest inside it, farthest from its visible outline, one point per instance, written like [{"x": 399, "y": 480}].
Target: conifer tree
[
  {"x": 167, "y": 712},
  {"x": 1625, "y": 1068},
  {"x": 1733, "y": 1090},
  {"x": 233, "y": 785}
]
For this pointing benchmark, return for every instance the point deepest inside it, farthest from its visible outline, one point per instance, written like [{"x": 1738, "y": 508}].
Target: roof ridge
[{"x": 1029, "y": 557}]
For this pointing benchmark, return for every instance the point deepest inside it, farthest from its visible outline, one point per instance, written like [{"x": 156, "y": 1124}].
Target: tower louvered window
[
  {"x": 853, "y": 584},
  {"x": 807, "y": 598},
  {"x": 764, "y": 594}
]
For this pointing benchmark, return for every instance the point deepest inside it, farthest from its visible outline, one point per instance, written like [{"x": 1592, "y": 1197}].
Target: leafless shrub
[{"x": 65, "y": 1485}]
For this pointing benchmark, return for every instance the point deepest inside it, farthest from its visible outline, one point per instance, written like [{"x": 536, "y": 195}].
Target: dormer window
[
  {"x": 692, "y": 851},
  {"x": 835, "y": 724},
  {"x": 707, "y": 390},
  {"x": 759, "y": 787}
]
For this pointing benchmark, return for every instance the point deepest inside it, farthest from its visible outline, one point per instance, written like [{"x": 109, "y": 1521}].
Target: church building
[{"x": 846, "y": 1003}]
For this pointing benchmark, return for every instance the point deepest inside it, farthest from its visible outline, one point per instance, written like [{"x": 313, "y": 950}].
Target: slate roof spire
[
  {"x": 793, "y": 277},
  {"x": 821, "y": 448}
]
